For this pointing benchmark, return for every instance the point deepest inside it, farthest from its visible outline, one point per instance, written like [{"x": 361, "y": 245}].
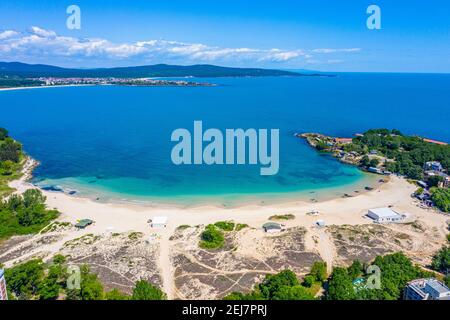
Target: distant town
[{"x": 57, "y": 81}]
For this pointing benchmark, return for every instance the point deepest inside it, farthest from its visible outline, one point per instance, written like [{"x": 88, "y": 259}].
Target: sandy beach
[{"x": 131, "y": 217}]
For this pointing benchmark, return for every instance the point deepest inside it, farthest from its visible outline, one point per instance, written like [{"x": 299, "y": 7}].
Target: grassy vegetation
[
  {"x": 282, "y": 217},
  {"x": 241, "y": 226},
  {"x": 135, "y": 235},
  {"x": 20, "y": 214},
  {"x": 409, "y": 153},
  {"x": 441, "y": 198},
  {"x": 36, "y": 280},
  {"x": 212, "y": 238},
  {"x": 225, "y": 225},
  {"x": 441, "y": 260},
  {"x": 11, "y": 161},
  {"x": 282, "y": 286},
  {"x": 6, "y": 176},
  {"x": 396, "y": 271},
  {"x": 24, "y": 214},
  {"x": 12, "y": 82}
]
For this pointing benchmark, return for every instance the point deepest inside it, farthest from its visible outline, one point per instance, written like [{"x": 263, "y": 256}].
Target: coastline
[
  {"x": 102, "y": 194},
  {"x": 102, "y": 85},
  {"x": 110, "y": 219},
  {"x": 394, "y": 192}
]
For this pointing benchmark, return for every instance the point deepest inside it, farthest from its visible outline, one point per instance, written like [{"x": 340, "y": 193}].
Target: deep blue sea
[{"x": 114, "y": 142}]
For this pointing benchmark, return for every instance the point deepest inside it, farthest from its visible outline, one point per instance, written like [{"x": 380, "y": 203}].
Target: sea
[{"x": 113, "y": 143}]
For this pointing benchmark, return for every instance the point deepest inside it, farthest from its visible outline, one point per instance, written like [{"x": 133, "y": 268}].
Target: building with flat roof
[
  {"x": 3, "y": 293},
  {"x": 158, "y": 222},
  {"x": 385, "y": 215},
  {"x": 426, "y": 289},
  {"x": 272, "y": 227},
  {"x": 433, "y": 166},
  {"x": 83, "y": 223}
]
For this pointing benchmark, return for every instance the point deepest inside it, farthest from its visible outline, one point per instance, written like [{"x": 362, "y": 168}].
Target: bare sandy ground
[{"x": 131, "y": 217}]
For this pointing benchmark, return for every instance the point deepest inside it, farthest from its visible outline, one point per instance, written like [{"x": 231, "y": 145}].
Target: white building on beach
[
  {"x": 158, "y": 222},
  {"x": 385, "y": 215}
]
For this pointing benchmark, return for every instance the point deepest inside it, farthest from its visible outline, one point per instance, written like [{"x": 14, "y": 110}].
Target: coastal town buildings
[
  {"x": 385, "y": 215},
  {"x": 426, "y": 289},
  {"x": 3, "y": 293},
  {"x": 433, "y": 166}
]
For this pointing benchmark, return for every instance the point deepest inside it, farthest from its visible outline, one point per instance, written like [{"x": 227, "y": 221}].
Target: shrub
[
  {"x": 212, "y": 238},
  {"x": 225, "y": 225}
]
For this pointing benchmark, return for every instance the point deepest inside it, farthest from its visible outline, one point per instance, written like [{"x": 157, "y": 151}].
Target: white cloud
[
  {"x": 42, "y": 43},
  {"x": 8, "y": 34},
  {"x": 329, "y": 50},
  {"x": 42, "y": 32}
]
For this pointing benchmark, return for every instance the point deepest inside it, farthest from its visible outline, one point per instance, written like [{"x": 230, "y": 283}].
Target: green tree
[
  {"x": 116, "y": 294},
  {"x": 365, "y": 161},
  {"x": 273, "y": 283},
  {"x": 355, "y": 270},
  {"x": 396, "y": 271},
  {"x": 441, "y": 198},
  {"x": 340, "y": 286},
  {"x": 24, "y": 280},
  {"x": 319, "y": 271},
  {"x": 10, "y": 150},
  {"x": 374, "y": 162},
  {"x": 7, "y": 167},
  {"x": 50, "y": 288},
  {"x": 90, "y": 287},
  {"x": 281, "y": 286},
  {"x": 441, "y": 260},
  {"x": 211, "y": 238},
  {"x": 447, "y": 280},
  {"x": 145, "y": 291},
  {"x": 308, "y": 281},
  {"x": 3, "y": 133},
  {"x": 434, "y": 181},
  {"x": 292, "y": 293}
]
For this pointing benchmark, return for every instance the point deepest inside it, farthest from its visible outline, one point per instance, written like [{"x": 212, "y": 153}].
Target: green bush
[
  {"x": 441, "y": 198},
  {"x": 212, "y": 238},
  {"x": 146, "y": 291},
  {"x": 24, "y": 214},
  {"x": 281, "y": 286},
  {"x": 225, "y": 225},
  {"x": 441, "y": 261}
]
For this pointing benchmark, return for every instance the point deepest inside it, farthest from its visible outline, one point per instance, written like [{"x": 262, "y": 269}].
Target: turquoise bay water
[{"x": 114, "y": 142}]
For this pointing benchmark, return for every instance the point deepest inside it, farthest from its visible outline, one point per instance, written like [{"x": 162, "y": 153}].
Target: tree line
[{"x": 36, "y": 280}]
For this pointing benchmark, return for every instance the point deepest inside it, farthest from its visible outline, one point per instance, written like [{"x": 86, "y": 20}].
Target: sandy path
[{"x": 166, "y": 267}]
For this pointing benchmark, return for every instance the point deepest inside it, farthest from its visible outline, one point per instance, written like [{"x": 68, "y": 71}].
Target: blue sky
[{"x": 318, "y": 35}]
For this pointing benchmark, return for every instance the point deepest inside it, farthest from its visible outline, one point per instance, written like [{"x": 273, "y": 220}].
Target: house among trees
[{"x": 433, "y": 166}]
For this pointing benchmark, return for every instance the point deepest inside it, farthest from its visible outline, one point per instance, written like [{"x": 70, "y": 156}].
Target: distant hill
[{"x": 158, "y": 70}]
